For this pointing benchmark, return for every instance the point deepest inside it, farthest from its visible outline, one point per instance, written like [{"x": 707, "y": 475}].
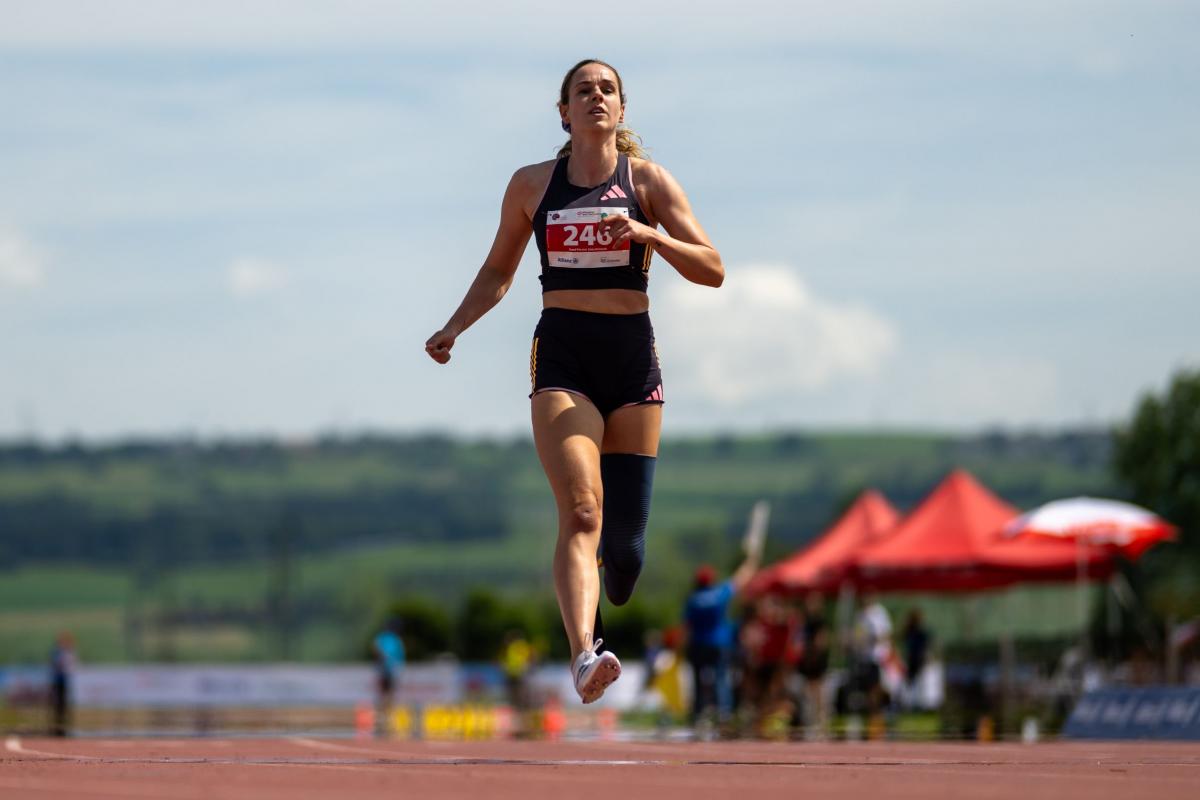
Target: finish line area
[{"x": 303, "y": 767}]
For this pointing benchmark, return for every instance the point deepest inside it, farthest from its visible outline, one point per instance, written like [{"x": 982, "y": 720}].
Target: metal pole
[
  {"x": 1114, "y": 622},
  {"x": 1172, "y": 653},
  {"x": 844, "y": 623},
  {"x": 1008, "y": 667},
  {"x": 1081, "y": 597}
]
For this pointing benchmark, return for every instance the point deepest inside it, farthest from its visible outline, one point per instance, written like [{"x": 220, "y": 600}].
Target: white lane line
[
  {"x": 382, "y": 768},
  {"x": 414, "y": 759},
  {"x": 13, "y": 745},
  {"x": 394, "y": 758},
  {"x": 155, "y": 742},
  {"x": 774, "y": 760},
  {"x": 472, "y": 761},
  {"x": 317, "y": 744}
]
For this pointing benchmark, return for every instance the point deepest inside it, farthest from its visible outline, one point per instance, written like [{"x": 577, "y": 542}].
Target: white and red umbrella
[{"x": 1123, "y": 527}]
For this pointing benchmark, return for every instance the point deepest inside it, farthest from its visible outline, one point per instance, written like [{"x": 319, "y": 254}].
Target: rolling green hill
[{"x": 209, "y": 550}]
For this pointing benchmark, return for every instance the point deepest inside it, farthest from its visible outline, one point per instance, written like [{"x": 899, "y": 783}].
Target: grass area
[
  {"x": 209, "y": 643},
  {"x": 1035, "y": 611},
  {"x": 482, "y": 516},
  {"x": 93, "y": 603},
  {"x": 38, "y": 602},
  {"x": 61, "y": 587},
  {"x": 27, "y": 636}
]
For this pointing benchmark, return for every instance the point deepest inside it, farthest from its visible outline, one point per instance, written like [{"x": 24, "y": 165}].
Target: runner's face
[{"x": 594, "y": 100}]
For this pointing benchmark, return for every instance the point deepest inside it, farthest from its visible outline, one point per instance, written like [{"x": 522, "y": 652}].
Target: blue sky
[{"x": 245, "y": 218}]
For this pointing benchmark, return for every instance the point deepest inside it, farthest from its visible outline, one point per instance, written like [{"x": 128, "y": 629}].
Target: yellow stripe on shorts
[{"x": 533, "y": 365}]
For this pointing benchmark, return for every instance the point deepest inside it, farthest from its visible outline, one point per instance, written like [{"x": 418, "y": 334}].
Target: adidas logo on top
[{"x": 615, "y": 193}]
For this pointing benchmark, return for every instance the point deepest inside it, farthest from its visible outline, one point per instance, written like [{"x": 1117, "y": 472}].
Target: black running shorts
[{"x": 608, "y": 358}]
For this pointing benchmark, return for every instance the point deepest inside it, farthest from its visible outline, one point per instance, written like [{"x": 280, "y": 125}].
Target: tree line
[{"x": 155, "y": 503}]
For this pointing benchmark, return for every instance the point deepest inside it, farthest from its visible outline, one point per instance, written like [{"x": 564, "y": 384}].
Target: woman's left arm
[{"x": 683, "y": 244}]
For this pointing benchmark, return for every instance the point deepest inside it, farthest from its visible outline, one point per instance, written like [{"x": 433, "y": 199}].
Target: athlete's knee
[{"x": 583, "y": 514}]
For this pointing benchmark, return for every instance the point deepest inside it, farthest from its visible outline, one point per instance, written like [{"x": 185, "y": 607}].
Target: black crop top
[{"x": 575, "y": 253}]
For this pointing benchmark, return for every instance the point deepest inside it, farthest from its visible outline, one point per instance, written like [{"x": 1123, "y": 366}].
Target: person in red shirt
[{"x": 768, "y": 640}]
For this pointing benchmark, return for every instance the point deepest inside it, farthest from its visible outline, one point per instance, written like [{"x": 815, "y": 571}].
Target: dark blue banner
[{"x": 1153, "y": 712}]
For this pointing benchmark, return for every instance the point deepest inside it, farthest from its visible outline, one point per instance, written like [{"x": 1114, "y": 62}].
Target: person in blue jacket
[
  {"x": 711, "y": 634},
  {"x": 388, "y": 649}
]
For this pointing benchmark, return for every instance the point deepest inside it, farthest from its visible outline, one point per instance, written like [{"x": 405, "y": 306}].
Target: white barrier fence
[{"x": 298, "y": 685}]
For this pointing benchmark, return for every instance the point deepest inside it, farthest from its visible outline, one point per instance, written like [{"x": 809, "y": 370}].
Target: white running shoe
[{"x": 594, "y": 672}]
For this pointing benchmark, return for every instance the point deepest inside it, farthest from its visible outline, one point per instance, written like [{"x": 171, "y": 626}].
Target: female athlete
[{"x": 596, "y": 394}]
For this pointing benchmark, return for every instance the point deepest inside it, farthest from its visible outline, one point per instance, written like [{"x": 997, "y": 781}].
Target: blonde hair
[{"x": 628, "y": 142}]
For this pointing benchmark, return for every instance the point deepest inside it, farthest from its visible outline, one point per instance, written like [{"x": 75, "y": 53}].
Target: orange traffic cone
[
  {"x": 554, "y": 721},
  {"x": 364, "y": 721},
  {"x": 606, "y": 721}
]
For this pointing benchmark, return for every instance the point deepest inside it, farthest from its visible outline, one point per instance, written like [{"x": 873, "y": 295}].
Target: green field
[{"x": 170, "y": 551}]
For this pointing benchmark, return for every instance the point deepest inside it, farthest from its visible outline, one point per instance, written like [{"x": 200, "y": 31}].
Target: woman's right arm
[{"x": 496, "y": 274}]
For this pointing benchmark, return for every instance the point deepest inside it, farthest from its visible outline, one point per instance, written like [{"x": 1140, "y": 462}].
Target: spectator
[
  {"x": 814, "y": 663},
  {"x": 388, "y": 649},
  {"x": 663, "y": 673},
  {"x": 873, "y": 652},
  {"x": 63, "y": 662},
  {"x": 916, "y": 646},
  {"x": 710, "y": 634},
  {"x": 767, "y": 641},
  {"x": 873, "y": 628},
  {"x": 516, "y": 657}
]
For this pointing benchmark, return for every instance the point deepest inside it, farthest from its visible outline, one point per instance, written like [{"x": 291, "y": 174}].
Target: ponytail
[{"x": 628, "y": 142}]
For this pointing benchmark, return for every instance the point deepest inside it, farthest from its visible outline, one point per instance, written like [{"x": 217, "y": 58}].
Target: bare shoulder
[
  {"x": 657, "y": 190},
  {"x": 533, "y": 176},
  {"x": 652, "y": 177},
  {"x": 540, "y": 169},
  {"x": 528, "y": 184},
  {"x": 647, "y": 172}
]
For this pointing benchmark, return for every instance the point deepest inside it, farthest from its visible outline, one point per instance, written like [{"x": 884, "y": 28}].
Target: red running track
[{"x": 263, "y": 769}]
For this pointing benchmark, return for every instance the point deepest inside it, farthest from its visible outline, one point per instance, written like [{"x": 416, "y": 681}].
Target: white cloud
[
  {"x": 251, "y": 277},
  {"x": 968, "y": 169},
  {"x": 765, "y": 333},
  {"x": 21, "y": 263}
]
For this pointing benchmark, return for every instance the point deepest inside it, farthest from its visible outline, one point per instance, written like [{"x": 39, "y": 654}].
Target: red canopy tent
[
  {"x": 821, "y": 565},
  {"x": 952, "y": 542}
]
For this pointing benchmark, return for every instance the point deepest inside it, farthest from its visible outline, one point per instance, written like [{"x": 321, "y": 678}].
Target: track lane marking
[
  {"x": 13, "y": 745},
  {"x": 395, "y": 757},
  {"x": 392, "y": 758},
  {"x": 317, "y": 744}
]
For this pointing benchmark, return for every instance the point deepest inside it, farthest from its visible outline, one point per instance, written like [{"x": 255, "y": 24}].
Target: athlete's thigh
[
  {"x": 633, "y": 429},
  {"x": 567, "y": 431}
]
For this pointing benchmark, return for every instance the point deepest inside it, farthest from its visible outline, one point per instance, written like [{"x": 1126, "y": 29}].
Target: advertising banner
[
  {"x": 1152, "y": 712},
  {"x": 284, "y": 685}
]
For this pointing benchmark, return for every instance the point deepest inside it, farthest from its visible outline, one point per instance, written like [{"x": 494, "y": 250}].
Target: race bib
[{"x": 574, "y": 239}]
